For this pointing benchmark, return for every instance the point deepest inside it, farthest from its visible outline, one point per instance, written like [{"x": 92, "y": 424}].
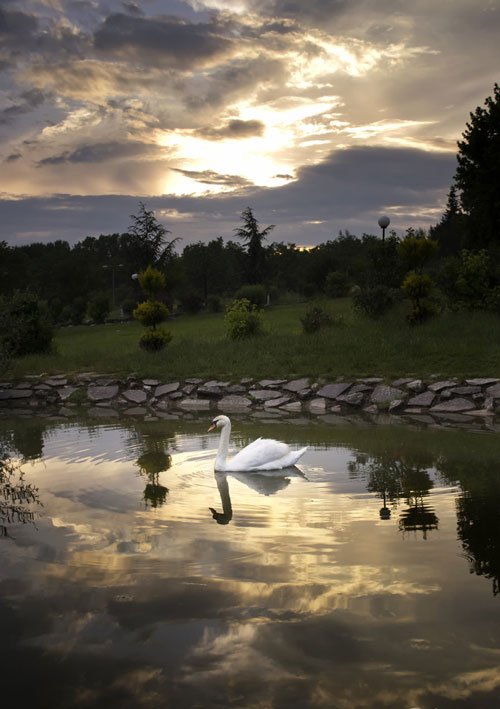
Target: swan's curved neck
[{"x": 220, "y": 461}]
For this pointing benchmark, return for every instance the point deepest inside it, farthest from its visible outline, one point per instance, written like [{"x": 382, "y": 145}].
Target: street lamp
[
  {"x": 112, "y": 267},
  {"x": 383, "y": 223}
]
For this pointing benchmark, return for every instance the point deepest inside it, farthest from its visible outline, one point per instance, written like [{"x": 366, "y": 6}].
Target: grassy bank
[{"x": 459, "y": 344}]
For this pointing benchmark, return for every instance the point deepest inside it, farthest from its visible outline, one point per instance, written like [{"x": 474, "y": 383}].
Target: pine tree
[
  {"x": 478, "y": 173},
  {"x": 254, "y": 238}
]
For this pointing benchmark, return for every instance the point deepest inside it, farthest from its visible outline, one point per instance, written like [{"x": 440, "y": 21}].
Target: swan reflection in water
[{"x": 264, "y": 482}]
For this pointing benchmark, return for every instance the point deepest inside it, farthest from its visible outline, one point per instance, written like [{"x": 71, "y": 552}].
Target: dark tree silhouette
[
  {"x": 148, "y": 236},
  {"x": 450, "y": 232},
  {"x": 250, "y": 233},
  {"x": 478, "y": 173}
]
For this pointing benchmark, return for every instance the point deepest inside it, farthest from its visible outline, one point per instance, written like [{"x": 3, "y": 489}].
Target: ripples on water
[{"x": 365, "y": 577}]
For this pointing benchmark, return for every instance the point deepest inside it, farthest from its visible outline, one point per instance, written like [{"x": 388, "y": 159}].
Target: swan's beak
[{"x": 212, "y": 426}]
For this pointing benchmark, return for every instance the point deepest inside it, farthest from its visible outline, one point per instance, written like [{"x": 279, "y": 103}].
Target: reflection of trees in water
[
  {"x": 151, "y": 463},
  {"x": 26, "y": 437},
  {"x": 478, "y": 513},
  {"x": 16, "y": 496},
  {"x": 394, "y": 477}
]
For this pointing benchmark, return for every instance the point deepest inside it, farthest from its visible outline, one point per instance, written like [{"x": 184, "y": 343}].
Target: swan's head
[{"x": 219, "y": 422}]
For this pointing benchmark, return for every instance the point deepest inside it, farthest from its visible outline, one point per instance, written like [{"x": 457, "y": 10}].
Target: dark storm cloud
[
  {"x": 101, "y": 152},
  {"x": 16, "y": 25},
  {"x": 362, "y": 179},
  {"x": 233, "y": 129},
  {"x": 171, "y": 40},
  {"x": 27, "y": 101},
  {"x": 25, "y": 37}
]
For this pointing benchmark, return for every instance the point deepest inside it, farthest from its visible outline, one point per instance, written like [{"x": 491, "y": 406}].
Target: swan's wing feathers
[
  {"x": 258, "y": 453},
  {"x": 289, "y": 459}
]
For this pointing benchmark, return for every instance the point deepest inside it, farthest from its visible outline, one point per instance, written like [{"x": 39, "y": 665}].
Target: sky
[{"x": 321, "y": 116}]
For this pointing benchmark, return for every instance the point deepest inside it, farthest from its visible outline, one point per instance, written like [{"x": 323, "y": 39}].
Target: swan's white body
[{"x": 262, "y": 454}]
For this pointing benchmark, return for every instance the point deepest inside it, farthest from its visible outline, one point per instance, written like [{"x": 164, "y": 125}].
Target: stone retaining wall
[{"x": 150, "y": 398}]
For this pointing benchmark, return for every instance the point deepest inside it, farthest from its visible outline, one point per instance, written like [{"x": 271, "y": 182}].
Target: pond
[{"x": 367, "y": 576}]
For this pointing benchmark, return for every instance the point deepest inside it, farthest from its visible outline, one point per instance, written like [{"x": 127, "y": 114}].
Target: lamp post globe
[{"x": 383, "y": 223}]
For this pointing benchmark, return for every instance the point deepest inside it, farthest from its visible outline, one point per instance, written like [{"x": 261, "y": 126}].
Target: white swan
[{"x": 262, "y": 454}]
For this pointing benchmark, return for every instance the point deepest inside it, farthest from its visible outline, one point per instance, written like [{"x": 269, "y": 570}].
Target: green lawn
[{"x": 466, "y": 344}]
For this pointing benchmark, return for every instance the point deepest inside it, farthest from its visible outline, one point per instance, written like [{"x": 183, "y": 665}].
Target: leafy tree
[
  {"x": 212, "y": 268},
  {"x": 336, "y": 284},
  {"x": 466, "y": 280},
  {"x": 478, "y": 173},
  {"x": 253, "y": 237},
  {"x": 25, "y": 325}
]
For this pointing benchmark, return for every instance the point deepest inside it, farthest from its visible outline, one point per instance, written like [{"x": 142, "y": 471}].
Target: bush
[
  {"x": 154, "y": 340},
  {"x": 314, "y": 319},
  {"x": 242, "y": 319},
  {"x": 151, "y": 313},
  {"x": 466, "y": 280},
  {"x": 336, "y": 284},
  {"x": 418, "y": 287},
  {"x": 374, "y": 301},
  {"x": 99, "y": 307},
  {"x": 256, "y": 294},
  {"x": 25, "y": 325}
]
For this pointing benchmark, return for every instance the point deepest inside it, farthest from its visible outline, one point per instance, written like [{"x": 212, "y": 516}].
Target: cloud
[
  {"x": 161, "y": 40},
  {"x": 27, "y": 102},
  {"x": 318, "y": 114},
  {"x": 16, "y": 26},
  {"x": 101, "y": 152},
  {"x": 235, "y": 128},
  {"x": 348, "y": 190},
  {"x": 208, "y": 177}
]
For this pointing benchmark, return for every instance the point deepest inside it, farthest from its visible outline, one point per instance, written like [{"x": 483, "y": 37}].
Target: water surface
[{"x": 365, "y": 577}]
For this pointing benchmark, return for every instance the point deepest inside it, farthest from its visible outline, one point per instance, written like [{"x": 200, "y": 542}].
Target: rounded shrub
[
  {"x": 314, "y": 319},
  {"x": 242, "y": 319},
  {"x": 152, "y": 281},
  {"x": 154, "y": 340},
  {"x": 151, "y": 313}
]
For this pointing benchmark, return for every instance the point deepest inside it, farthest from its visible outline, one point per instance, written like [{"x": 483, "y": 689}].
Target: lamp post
[
  {"x": 383, "y": 223},
  {"x": 112, "y": 267}
]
